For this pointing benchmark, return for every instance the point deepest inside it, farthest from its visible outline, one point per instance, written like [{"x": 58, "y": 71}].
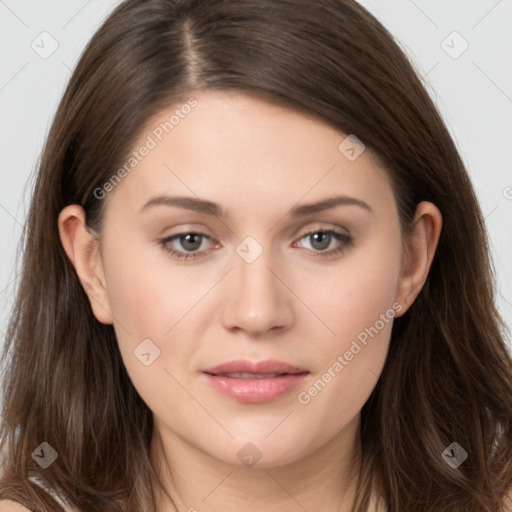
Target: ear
[
  {"x": 82, "y": 248},
  {"x": 418, "y": 253}
]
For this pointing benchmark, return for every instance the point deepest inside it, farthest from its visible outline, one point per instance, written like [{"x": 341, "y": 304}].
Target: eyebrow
[{"x": 210, "y": 208}]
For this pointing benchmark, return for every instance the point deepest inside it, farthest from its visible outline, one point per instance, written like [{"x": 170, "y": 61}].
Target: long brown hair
[{"x": 448, "y": 375}]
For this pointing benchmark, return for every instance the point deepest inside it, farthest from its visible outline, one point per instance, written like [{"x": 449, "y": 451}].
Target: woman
[{"x": 255, "y": 276}]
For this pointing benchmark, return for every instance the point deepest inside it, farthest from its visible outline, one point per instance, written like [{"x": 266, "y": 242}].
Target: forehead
[{"x": 231, "y": 147}]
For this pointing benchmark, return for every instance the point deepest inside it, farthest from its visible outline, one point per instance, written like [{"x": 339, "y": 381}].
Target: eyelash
[{"x": 341, "y": 237}]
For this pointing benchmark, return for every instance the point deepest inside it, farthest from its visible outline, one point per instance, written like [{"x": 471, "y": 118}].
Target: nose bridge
[{"x": 257, "y": 300}]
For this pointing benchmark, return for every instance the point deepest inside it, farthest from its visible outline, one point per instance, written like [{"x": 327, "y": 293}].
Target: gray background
[{"x": 472, "y": 88}]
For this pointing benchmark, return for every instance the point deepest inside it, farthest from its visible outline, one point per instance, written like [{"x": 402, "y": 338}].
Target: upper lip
[{"x": 257, "y": 367}]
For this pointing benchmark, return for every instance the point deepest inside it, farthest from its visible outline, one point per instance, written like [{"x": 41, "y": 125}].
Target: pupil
[
  {"x": 193, "y": 239},
  {"x": 323, "y": 238}
]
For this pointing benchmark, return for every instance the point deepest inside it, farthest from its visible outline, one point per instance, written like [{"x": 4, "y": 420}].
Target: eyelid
[{"x": 321, "y": 226}]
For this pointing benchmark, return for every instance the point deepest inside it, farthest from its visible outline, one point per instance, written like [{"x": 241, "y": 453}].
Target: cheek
[
  {"x": 134, "y": 291},
  {"x": 147, "y": 301},
  {"x": 147, "y": 293},
  {"x": 150, "y": 307},
  {"x": 351, "y": 295},
  {"x": 359, "y": 306}
]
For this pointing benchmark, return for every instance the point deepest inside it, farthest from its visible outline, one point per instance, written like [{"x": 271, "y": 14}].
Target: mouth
[
  {"x": 246, "y": 375},
  {"x": 255, "y": 382}
]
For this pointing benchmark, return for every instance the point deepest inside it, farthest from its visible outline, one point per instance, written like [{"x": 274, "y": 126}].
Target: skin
[{"x": 257, "y": 161}]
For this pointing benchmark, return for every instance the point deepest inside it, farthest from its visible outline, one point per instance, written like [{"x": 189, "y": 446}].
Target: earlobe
[
  {"x": 419, "y": 249},
  {"x": 82, "y": 249}
]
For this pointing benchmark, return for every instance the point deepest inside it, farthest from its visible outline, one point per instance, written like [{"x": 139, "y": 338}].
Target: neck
[{"x": 326, "y": 479}]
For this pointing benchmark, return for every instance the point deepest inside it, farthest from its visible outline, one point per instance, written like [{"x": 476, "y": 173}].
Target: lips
[
  {"x": 263, "y": 368},
  {"x": 246, "y": 375},
  {"x": 255, "y": 382}
]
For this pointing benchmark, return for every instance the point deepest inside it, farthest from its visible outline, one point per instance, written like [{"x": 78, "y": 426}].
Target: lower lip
[{"x": 256, "y": 391}]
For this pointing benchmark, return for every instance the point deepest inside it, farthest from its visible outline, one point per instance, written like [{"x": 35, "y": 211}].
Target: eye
[
  {"x": 322, "y": 239},
  {"x": 191, "y": 242}
]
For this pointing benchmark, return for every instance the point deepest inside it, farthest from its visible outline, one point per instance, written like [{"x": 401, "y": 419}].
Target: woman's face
[{"x": 258, "y": 281}]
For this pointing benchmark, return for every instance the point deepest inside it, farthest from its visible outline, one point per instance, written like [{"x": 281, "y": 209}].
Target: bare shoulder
[
  {"x": 508, "y": 503},
  {"x": 12, "y": 506}
]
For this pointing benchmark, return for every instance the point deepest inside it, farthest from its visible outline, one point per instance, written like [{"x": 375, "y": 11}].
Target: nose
[{"x": 257, "y": 300}]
